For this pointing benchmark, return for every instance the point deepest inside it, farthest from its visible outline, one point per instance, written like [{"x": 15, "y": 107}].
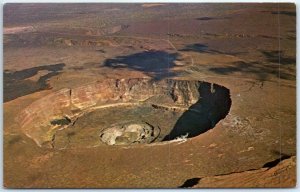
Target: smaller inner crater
[{"x": 129, "y": 134}]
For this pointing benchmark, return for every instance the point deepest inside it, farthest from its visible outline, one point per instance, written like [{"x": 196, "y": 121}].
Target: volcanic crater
[{"x": 125, "y": 112}]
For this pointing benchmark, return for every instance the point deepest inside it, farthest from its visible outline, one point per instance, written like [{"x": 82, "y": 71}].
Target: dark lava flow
[{"x": 17, "y": 84}]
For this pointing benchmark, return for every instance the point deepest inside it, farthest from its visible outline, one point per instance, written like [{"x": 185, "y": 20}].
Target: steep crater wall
[{"x": 125, "y": 111}]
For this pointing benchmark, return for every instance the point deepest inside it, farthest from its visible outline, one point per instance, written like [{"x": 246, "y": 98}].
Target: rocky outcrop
[{"x": 35, "y": 120}]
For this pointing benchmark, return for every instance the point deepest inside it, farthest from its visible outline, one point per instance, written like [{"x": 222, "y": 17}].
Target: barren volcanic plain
[{"x": 149, "y": 95}]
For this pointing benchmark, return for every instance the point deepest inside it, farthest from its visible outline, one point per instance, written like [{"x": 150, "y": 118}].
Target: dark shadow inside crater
[{"x": 213, "y": 105}]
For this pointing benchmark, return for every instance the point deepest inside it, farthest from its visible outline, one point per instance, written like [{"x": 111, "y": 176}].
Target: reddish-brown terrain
[{"x": 149, "y": 95}]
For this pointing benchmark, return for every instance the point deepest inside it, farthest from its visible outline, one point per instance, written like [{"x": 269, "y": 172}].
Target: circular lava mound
[
  {"x": 129, "y": 134},
  {"x": 125, "y": 112}
]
